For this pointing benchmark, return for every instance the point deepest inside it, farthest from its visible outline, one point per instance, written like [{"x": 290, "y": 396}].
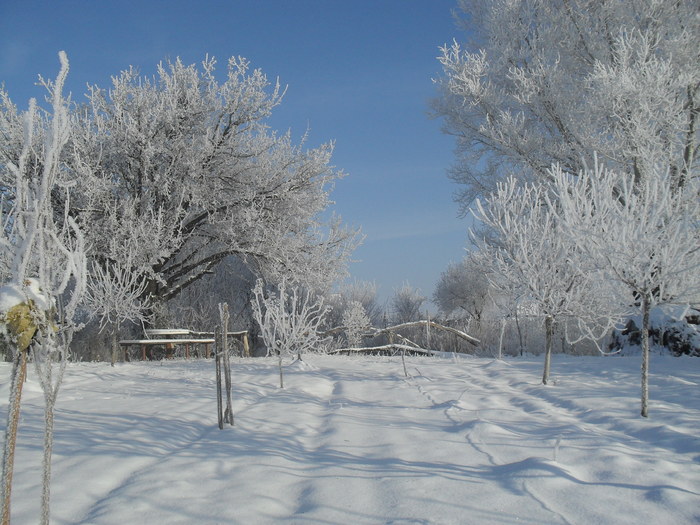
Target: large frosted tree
[
  {"x": 552, "y": 81},
  {"x": 179, "y": 171}
]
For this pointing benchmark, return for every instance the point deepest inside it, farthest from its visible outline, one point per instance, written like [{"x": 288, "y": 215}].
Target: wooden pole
[
  {"x": 228, "y": 415},
  {"x": 246, "y": 348},
  {"x": 217, "y": 361}
]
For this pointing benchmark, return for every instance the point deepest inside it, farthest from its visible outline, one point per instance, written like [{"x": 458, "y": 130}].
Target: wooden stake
[
  {"x": 217, "y": 361},
  {"x": 228, "y": 415}
]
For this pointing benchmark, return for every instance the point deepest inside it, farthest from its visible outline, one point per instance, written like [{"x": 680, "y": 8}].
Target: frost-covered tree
[
  {"x": 642, "y": 238},
  {"x": 356, "y": 322},
  {"x": 289, "y": 319},
  {"x": 363, "y": 292},
  {"x": 406, "y": 304},
  {"x": 462, "y": 290},
  {"x": 551, "y": 81},
  {"x": 532, "y": 255},
  {"x": 115, "y": 295},
  {"x": 180, "y": 171},
  {"x": 42, "y": 256}
]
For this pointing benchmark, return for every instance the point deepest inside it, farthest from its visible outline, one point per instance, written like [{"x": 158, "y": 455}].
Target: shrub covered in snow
[{"x": 670, "y": 331}]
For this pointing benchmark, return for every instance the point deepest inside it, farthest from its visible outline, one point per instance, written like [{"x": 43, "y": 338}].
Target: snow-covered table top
[
  {"x": 167, "y": 331},
  {"x": 164, "y": 341}
]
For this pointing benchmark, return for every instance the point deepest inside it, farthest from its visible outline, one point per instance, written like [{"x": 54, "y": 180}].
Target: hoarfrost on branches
[
  {"x": 115, "y": 294},
  {"x": 532, "y": 256},
  {"x": 463, "y": 290},
  {"x": 356, "y": 323},
  {"x": 406, "y": 304},
  {"x": 289, "y": 319},
  {"x": 179, "y": 171},
  {"x": 42, "y": 253},
  {"x": 642, "y": 237},
  {"x": 548, "y": 81}
]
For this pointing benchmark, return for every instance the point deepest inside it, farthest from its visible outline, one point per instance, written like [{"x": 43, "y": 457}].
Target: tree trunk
[
  {"x": 246, "y": 347},
  {"x": 520, "y": 333},
  {"x": 500, "y": 339},
  {"x": 549, "y": 336},
  {"x": 645, "y": 356},
  {"x": 281, "y": 377},
  {"x": 115, "y": 344}
]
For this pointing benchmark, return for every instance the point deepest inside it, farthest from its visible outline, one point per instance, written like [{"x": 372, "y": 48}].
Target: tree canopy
[{"x": 176, "y": 172}]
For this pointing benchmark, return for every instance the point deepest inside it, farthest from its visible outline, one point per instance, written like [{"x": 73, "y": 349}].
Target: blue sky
[{"x": 358, "y": 72}]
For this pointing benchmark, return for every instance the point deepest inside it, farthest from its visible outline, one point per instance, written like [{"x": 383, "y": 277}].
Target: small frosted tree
[
  {"x": 43, "y": 256},
  {"x": 642, "y": 238},
  {"x": 289, "y": 320},
  {"x": 115, "y": 294},
  {"x": 356, "y": 322},
  {"x": 532, "y": 253}
]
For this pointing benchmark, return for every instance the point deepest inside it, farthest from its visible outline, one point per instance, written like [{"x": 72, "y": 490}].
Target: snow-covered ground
[{"x": 351, "y": 440}]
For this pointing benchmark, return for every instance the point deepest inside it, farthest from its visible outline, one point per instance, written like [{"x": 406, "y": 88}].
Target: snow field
[{"x": 351, "y": 440}]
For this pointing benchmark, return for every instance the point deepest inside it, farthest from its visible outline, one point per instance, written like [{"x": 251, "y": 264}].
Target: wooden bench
[{"x": 169, "y": 338}]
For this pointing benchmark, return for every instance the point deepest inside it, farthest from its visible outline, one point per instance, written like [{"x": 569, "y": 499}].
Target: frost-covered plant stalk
[
  {"x": 42, "y": 253},
  {"x": 289, "y": 320}
]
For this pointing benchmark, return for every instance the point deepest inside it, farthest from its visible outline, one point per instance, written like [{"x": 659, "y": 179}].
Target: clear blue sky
[{"x": 358, "y": 72}]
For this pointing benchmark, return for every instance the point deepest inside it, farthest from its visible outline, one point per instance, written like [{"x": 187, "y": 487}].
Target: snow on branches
[
  {"x": 551, "y": 82},
  {"x": 42, "y": 256},
  {"x": 641, "y": 237},
  {"x": 596, "y": 246},
  {"x": 356, "y": 323},
  {"x": 289, "y": 319},
  {"x": 180, "y": 171}
]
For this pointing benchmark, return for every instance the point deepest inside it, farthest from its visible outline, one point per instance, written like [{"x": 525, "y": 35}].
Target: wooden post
[
  {"x": 246, "y": 348},
  {"x": 427, "y": 333},
  {"x": 228, "y": 415},
  {"x": 217, "y": 361}
]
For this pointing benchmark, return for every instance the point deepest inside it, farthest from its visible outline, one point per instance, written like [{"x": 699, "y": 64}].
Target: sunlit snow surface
[{"x": 351, "y": 440}]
